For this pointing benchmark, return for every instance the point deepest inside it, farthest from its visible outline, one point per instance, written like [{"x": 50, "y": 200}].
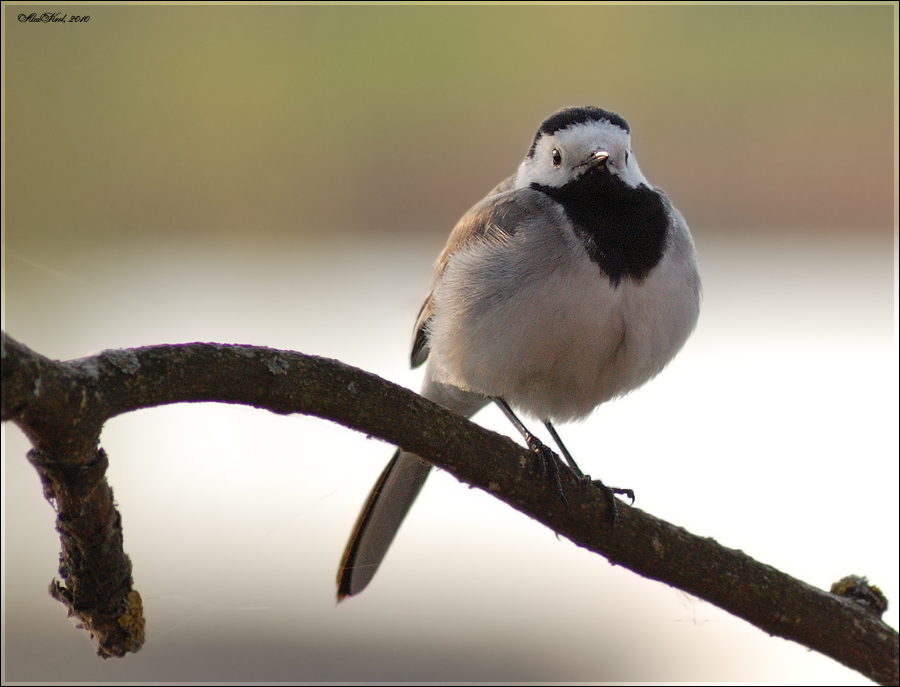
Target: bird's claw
[
  {"x": 549, "y": 462},
  {"x": 624, "y": 492},
  {"x": 610, "y": 494}
]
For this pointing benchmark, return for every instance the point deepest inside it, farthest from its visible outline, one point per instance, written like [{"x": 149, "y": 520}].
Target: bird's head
[{"x": 579, "y": 141}]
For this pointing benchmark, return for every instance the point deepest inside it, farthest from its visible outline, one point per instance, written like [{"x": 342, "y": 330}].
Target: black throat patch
[{"x": 623, "y": 228}]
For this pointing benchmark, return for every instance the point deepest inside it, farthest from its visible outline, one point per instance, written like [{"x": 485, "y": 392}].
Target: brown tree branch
[{"x": 62, "y": 407}]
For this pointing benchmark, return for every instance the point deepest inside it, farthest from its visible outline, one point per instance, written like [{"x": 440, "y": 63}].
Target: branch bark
[{"x": 62, "y": 406}]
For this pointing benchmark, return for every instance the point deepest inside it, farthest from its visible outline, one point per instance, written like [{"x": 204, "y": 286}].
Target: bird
[{"x": 573, "y": 282}]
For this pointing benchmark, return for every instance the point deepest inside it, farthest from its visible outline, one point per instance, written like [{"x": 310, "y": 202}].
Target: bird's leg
[
  {"x": 609, "y": 492},
  {"x": 565, "y": 451},
  {"x": 548, "y": 459}
]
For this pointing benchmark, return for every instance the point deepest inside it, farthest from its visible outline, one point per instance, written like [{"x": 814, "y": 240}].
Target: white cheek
[
  {"x": 631, "y": 173},
  {"x": 540, "y": 170}
]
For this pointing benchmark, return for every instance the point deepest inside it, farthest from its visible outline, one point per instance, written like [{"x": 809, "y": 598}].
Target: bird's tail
[{"x": 392, "y": 497}]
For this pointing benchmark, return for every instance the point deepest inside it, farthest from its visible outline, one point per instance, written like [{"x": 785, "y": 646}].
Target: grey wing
[
  {"x": 420, "y": 348},
  {"x": 496, "y": 218}
]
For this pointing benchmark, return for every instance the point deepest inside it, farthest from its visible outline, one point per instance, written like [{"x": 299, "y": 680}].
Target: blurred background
[{"x": 286, "y": 176}]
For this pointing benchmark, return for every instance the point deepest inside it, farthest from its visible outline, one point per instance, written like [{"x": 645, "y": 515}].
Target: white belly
[{"x": 545, "y": 329}]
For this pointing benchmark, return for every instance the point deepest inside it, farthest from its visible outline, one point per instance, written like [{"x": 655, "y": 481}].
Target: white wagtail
[{"x": 573, "y": 282}]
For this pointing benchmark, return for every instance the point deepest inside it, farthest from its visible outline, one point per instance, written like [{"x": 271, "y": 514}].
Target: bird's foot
[
  {"x": 549, "y": 462},
  {"x": 610, "y": 494}
]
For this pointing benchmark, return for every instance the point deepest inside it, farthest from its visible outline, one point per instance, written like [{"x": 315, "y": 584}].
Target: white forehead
[
  {"x": 586, "y": 137},
  {"x": 576, "y": 143}
]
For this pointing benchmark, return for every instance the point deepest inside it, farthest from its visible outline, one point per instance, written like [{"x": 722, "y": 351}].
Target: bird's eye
[{"x": 557, "y": 157}]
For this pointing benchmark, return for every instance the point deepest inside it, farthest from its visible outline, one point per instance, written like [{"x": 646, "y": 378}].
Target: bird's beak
[{"x": 598, "y": 157}]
